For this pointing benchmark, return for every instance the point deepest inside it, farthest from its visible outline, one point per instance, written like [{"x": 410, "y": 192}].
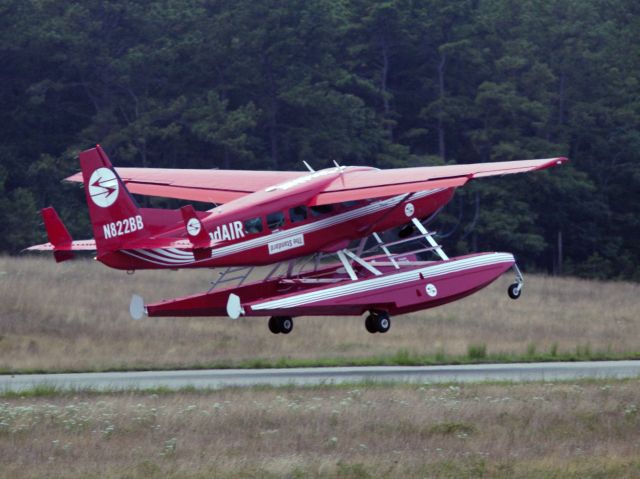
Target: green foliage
[
  {"x": 264, "y": 85},
  {"x": 477, "y": 351}
]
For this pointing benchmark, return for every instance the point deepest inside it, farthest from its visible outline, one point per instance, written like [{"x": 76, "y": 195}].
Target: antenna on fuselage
[
  {"x": 308, "y": 167},
  {"x": 340, "y": 170},
  {"x": 339, "y": 167}
]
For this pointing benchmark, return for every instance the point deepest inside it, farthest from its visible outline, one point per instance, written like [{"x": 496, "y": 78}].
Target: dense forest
[{"x": 265, "y": 84}]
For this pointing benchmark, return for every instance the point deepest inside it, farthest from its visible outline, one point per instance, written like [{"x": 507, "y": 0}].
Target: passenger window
[
  {"x": 350, "y": 204},
  {"x": 275, "y": 220},
  {"x": 299, "y": 213},
  {"x": 321, "y": 210},
  {"x": 253, "y": 225}
]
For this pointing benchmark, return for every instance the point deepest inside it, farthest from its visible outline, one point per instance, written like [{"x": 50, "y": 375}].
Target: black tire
[
  {"x": 370, "y": 324},
  {"x": 514, "y": 292},
  {"x": 274, "y": 324},
  {"x": 383, "y": 322},
  {"x": 285, "y": 324}
]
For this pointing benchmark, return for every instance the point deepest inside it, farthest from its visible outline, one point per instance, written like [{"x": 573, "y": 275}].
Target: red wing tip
[{"x": 549, "y": 162}]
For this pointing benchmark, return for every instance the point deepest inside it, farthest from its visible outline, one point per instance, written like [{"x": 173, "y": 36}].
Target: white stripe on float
[
  {"x": 368, "y": 285},
  {"x": 334, "y": 293}
]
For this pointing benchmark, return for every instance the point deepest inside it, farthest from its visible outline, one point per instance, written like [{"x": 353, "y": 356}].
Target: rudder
[
  {"x": 58, "y": 234},
  {"x": 115, "y": 216}
]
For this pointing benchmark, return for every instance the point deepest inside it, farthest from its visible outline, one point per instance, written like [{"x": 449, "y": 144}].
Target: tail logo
[
  {"x": 103, "y": 187},
  {"x": 194, "y": 227}
]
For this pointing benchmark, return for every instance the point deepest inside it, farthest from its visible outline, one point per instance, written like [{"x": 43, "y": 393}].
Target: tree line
[{"x": 266, "y": 84}]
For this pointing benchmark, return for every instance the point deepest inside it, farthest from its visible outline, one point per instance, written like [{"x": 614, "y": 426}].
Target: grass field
[
  {"x": 74, "y": 316},
  {"x": 554, "y": 430}
]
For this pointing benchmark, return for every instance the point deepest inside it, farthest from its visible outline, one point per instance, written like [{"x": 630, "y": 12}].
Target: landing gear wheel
[
  {"x": 370, "y": 324},
  {"x": 274, "y": 324},
  {"x": 285, "y": 324},
  {"x": 377, "y": 322},
  {"x": 280, "y": 324},
  {"x": 383, "y": 322},
  {"x": 514, "y": 291}
]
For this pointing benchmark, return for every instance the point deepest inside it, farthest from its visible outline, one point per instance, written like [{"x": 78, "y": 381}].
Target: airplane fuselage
[{"x": 277, "y": 225}]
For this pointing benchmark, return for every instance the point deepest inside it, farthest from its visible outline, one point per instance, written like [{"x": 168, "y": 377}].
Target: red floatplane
[{"x": 320, "y": 230}]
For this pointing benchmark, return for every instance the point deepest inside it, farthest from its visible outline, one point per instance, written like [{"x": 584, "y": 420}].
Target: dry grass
[
  {"x": 508, "y": 431},
  {"x": 75, "y": 316}
]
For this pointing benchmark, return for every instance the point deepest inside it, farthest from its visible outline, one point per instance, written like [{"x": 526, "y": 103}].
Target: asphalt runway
[{"x": 220, "y": 378}]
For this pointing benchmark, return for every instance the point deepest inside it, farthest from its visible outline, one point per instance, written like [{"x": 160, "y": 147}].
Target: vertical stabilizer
[
  {"x": 115, "y": 217},
  {"x": 58, "y": 234}
]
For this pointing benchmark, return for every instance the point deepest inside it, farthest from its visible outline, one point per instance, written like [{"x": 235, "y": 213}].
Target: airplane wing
[
  {"x": 209, "y": 186},
  {"x": 222, "y": 186},
  {"x": 364, "y": 184}
]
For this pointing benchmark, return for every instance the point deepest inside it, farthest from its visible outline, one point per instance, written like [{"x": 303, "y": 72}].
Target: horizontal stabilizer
[{"x": 168, "y": 242}]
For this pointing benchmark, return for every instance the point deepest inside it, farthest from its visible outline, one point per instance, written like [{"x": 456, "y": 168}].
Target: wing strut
[
  {"x": 386, "y": 250},
  {"x": 347, "y": 266},
  {"x": 438, "y": 249},
  {"x": 342, "y": 255}
]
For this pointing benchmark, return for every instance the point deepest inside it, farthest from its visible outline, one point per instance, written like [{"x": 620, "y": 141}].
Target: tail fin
[
  {"x": 58, "y": 235},
  {"x": 56, "y": 230},
  {"x": 60, "y": 241},
  {"x": 114, "y": 214}
]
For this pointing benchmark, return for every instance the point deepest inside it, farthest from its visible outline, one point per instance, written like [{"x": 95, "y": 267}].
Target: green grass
[
  {"x": 41, "y": 391},
  {"x": 585, "y": 428},
  {"x": 476, "y": 354}
]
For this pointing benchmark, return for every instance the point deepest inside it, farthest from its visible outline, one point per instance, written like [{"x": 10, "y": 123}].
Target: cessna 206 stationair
[{"x": 302, "y": 223}]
